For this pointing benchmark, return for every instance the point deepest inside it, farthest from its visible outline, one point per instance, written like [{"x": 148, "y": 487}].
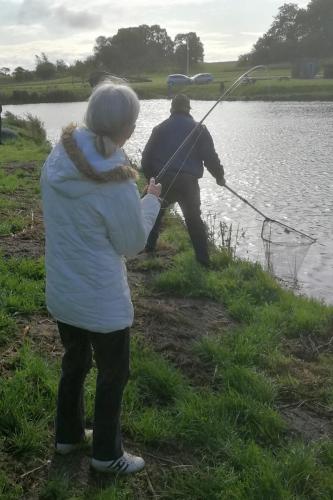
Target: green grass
[
  {"x": 20, "y": 163},
  {"x": 21, "y": 292},
  {"x": 12, "y": 225},
  {"x": 222, "y": 438},
  {"x": 9, "y": 490},
  {"x": 235, "y": 436},
  {"x": 27, "y": 405},
  {"x": 22, "y": 285},
  {"x": 61, "y": 488},
  {"x": 267, "y": 87}
]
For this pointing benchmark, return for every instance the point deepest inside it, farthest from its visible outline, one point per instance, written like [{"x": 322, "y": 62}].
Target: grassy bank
[
  {"x": 230, "y": 394},
  {"x": 274, "y": 83}
]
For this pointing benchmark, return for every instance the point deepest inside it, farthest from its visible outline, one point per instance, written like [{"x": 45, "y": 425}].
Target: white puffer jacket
[{"x": 89, "y": 227}]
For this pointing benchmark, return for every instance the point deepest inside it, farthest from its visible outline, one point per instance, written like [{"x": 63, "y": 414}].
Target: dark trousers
[
  {"x": 111, "y": 352},
  {"x": 186, "y": 192}
]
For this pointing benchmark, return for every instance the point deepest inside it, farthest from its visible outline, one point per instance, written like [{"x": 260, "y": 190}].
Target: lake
[{"x": 277, "y": 155}]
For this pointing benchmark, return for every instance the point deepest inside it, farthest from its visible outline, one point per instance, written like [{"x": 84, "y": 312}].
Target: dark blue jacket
[{"x": 168, "y": 136}]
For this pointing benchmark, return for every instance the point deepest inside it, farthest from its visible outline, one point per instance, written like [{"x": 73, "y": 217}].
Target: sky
[{"x": 68, "y": 30}]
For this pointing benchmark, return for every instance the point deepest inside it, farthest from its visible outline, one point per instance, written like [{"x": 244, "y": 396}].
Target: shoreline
[
  {"x": 258, "y": 98},
  {"x": 230, "y": 394},
  {"x": 264, "y": 90}
]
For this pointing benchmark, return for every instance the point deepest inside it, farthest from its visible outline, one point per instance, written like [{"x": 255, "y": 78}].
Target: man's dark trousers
[
  {"x": 111, "y": 351},
  {"x": 183, "y": 189}
]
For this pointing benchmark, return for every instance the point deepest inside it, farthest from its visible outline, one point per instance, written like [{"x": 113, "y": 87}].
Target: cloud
[
  {"x": 173, "y": 3},
  {"x": 252, "y": 33},
  {"x": 211, "y": 35},
  {"x": 22, "y": 53},
  {"x": 226, "y": 28},
  {"x": 37, "y": 11},
  {"x": 32, "y": 11},
  {"x": 77, "y": 19}
]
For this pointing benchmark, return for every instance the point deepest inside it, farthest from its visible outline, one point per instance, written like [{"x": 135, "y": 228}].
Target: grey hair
[{"x": 111, "y": 109}]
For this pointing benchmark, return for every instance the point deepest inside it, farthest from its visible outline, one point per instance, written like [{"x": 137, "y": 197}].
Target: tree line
[
  {"x": 130, "y": 51},
  {"x": 294, "y": 34}
]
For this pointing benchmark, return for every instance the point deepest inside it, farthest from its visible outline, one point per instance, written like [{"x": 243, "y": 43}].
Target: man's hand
[
  {"x": 153, "y": 188},
  {"x": 220, "y": 180}
]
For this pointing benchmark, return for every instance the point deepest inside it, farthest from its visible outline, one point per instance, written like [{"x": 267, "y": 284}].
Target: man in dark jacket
[{"x": 180, "y": 178}]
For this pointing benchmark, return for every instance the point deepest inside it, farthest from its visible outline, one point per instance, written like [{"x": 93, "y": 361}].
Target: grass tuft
[
  {"x": 27, "y": 402},
  {"x": 22, "y": 285}
]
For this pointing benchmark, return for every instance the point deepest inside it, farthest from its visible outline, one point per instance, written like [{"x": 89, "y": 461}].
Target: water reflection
[{"x": 277, "y": 155}]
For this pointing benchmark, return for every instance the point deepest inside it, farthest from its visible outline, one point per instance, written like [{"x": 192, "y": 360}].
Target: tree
[
  {"x": 280, "y": 43},
  {"x": 20, "y": 74},
  {"x": 134, "y": 49},
  {"x": 4, "y": 71},
  {"x": 44, "y": 68},
  {"x": 317, "y": 38},
  {"x": 61, "y": 66},
  {"x": 188, "y": 42},
  {"x": 159, "y": 46},
  {"x": 82, "y": 69},
  {"x": 104, "y": 54},
  {"x": 296, "y": 33}
]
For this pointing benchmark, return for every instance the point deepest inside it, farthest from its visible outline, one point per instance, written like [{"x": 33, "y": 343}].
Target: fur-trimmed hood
[{"x": 75, "y": 168}]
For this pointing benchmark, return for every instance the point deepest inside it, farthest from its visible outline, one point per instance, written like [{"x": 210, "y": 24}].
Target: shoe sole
[{"x": 115, "y": 472}]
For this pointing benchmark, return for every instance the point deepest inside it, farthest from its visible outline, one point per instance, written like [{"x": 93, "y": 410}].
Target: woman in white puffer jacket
[{"x": 93, "y": 217}]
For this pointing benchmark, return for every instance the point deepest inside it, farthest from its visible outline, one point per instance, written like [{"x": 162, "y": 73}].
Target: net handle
[
  {"x": 268, "y": 219},
  {"x": 247, "y": 202}
]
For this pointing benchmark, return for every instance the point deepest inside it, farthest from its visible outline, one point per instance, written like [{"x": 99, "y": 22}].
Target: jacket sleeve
[
  {"x": 129, "y": 219},
  {"x": 146, "y": 161},
  {"x": 208, "y": 154}
]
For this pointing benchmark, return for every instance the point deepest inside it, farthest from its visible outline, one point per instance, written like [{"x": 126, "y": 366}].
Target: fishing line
[
  {"x": 182, "y": 164},
  {"x": 285, "y": 247},
  {"x": 232, "y": 87}
]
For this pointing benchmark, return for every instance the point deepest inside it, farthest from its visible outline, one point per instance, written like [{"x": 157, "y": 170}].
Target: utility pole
[
  {"x": 187, "y": 57},
  {"x": 0, "y": 125}
]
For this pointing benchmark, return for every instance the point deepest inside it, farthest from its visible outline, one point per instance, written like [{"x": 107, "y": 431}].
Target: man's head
[{"x": 180, "y": 104}]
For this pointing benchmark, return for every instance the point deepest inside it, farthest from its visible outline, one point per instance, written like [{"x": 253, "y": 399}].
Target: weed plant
[
  {"x": 30, "y": 127},
  {"x": 12, "y": 225}
]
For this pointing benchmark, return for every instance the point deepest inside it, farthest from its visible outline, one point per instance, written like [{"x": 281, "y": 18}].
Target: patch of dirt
[
  {"x": 28, "y": 167},
  {"x": 42, "y": 331},
  {"x": 28, "y": 243},
  {"x": 308, "y": 347},
  {"x": 307, "y": 423},
  {"x": 172, "y": 326}
]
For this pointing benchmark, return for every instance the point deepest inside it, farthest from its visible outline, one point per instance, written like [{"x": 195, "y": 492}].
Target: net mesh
[{"x": 285, "y": 249}]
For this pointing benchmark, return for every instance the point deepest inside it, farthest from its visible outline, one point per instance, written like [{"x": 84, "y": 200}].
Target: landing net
[{"x": 285, "y": 249}]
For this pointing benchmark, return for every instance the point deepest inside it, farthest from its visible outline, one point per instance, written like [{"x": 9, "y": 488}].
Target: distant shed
[{"x": 305, "y": 68}]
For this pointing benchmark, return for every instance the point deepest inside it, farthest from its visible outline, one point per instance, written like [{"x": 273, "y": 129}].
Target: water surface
[{"x": 277, "y": 155}]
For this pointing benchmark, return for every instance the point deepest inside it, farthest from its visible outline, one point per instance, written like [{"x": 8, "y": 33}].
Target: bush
[
  {"x": 20, "y": 96},
  {"x": 328, "y": 71}
]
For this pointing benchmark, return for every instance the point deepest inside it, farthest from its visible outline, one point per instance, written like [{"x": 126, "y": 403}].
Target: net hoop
[{"x": 305, "y": 241}]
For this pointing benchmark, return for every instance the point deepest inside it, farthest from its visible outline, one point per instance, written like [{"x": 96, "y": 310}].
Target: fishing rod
[{"x": 232, "y": 87}]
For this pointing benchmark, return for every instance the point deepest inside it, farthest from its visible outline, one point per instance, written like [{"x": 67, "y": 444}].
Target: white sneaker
[
  {"x": 65, "y": 448},
  {"x": 126, "y": 464}
]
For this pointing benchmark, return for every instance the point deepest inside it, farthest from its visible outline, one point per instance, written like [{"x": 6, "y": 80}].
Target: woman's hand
[{"x": 153, "y": 188}]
